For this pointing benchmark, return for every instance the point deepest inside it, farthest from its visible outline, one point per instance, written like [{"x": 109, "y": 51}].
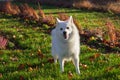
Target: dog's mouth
[{"x": 65, "y": 35}]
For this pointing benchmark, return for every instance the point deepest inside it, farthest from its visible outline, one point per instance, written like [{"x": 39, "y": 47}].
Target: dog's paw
[{"x": 78, "y": 72}]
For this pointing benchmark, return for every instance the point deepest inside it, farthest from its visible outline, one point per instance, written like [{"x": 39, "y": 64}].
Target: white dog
[{"x": 66, "y": 43}]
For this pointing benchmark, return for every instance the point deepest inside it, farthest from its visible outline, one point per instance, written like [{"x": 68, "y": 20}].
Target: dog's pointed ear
[
  {"x": 71, "y": 19},
  {"x": 58, "y": 20}
]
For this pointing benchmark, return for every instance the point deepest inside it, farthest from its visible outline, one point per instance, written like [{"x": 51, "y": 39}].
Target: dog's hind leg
[
  {"x": 54, "y": 55},
  {"x": 55, "y": 59}
]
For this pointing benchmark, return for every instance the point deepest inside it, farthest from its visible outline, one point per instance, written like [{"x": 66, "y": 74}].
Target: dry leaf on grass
[
  {"x": 21, "y": 78},
  {"x": 50, "y": 60},
  {"x": 14, "y": 36},
  {"x": 3, "y": 42},
  {"x": 93, "y": 57},
  {"x": 21, "y": 67},
  {"x": 70, "y": 75},
  {"x": 111, "y": 32},
  {"x": 1, "y": 75},
  {"x": 30, "y": 69},
  {"x": 43, "y": 64},
  {"x": 40, "y": 54},
  {"x": 33, "y": 68},
  {"x": 84, "y": 66},
  {"x": 14, "y": 58}
]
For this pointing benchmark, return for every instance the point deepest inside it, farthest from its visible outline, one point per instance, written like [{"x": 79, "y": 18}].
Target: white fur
[{"x": 66, "y": 48}]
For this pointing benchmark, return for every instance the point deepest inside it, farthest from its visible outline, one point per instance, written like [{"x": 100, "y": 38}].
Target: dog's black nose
[{"x": 64, "y": 32}]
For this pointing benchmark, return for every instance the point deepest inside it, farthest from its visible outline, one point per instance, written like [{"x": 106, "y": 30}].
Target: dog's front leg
[
  {"x": 76, "y": 63},
  {"x": 61, "y": 61}
]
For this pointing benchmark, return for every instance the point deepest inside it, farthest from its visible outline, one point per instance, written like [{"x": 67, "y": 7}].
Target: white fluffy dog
[{"x": 66, "y": 43}]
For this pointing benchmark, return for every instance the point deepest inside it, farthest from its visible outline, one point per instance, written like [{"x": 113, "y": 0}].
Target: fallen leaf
[
  {"x": 1, "y": 75},
  {"x": 97, "y": 55},
  {"x": 84, "y": 66},
  {"x": 14, "y": 58},
  {"x": 21, "y": 78},
  {"x": 14, "y": 36},
  {"x": 43, "y": 64},
  {"x": 30, "y": 69},
  {"x": 90, "y": 49},
  {"x": 3, "y": 63},
  {"x": 80, "y": 64},
  {"x": 93, "y": 57},
  {"x": 70, "y": 75},
  {"x": 92, "y": 38},
  {"x": 21, "y": 66},
  {"x": 31, "y": 54},
  {"x": 3, "y": 42},
  {"x": 40, "y": 55},
  {"x": 50, "y": 60}
]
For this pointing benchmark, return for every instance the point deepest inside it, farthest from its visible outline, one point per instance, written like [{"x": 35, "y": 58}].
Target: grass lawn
[{"x": 28, "y": 56}]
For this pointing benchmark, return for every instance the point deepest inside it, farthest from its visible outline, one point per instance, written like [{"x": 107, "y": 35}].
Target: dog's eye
[
  {"x": 67, "y": 27},
  {"x": 61, "y": 28}
]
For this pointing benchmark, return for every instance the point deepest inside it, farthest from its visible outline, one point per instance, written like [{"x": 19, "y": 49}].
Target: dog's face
[{"x": 64, "y": 28}]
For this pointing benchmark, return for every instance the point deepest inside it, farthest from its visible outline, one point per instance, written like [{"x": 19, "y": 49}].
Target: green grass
[{"x": 26, "y": 40}]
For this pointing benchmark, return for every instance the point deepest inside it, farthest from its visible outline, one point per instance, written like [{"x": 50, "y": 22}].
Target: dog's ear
[
  {"x": 70, "y": 20},
  {"x": 58, "y": 20}
]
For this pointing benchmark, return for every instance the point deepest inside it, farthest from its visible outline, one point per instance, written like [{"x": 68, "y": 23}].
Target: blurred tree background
[{"x": 98, "y": 5}]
